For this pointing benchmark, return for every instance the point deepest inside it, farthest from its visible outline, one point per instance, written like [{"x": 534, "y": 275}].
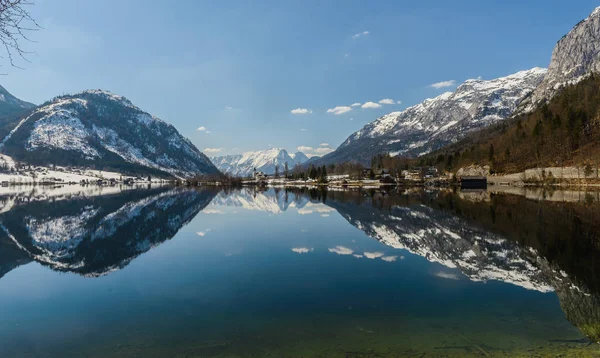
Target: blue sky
[{"x": 238, "y": 68}]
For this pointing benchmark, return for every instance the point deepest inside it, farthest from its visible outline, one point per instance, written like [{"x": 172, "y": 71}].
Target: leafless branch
[{"x": 15, "y": 23}]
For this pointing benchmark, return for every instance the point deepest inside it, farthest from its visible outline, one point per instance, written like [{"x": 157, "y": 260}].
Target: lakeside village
[{"x": 425, "y": 176}]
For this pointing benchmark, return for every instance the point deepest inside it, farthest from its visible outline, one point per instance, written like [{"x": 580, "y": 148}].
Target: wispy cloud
[
  {"x": 370, "y": 105},
  {"x": 446, "y": 275},
  {"x": 213, "y": 150},
  {"x": 324, "y": 145},
  {"x": 360, "y": 34},
  {"x": 323, "y": 150},
  {"x": 389, "y": 258},
  {"x": 339, "y": 110},
  {"x": 304, "y": 148},
  {"x": 373, "y": 255},
  {"x": 213, "y": 211},
  {"x": 302, "y": 250},
  {"x": 301, "y": 111},
  {"x": 201, "y": 129},
  {"x": 387, "y": 101},
  {"x": 341, "y": 250},
  {"x": 355, "y": 104},
  {"x": 443, "y": 84},
  {"x": 303, "y": 129}
]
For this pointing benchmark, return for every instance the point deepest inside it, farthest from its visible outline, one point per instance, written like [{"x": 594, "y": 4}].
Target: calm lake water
[{"x": 164, "y": 272}]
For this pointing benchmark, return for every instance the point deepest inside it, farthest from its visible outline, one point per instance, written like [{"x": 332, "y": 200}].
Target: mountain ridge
[
  {"x": 243, "y": 165},
  {"x": 438, "y": 121},
  {"x": 96, "y": 128}
]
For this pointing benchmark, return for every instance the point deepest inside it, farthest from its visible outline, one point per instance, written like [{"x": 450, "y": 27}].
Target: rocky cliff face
[{"x": 576, "y": 55}]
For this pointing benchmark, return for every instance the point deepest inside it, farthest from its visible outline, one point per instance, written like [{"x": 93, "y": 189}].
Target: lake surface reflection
[{"x": 251, "y": 272}]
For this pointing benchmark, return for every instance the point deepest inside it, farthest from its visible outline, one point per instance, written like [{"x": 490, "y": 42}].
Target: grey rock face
[{"x": 576, "y": 55}]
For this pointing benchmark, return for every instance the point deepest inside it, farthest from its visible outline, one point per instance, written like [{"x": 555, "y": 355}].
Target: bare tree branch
[{"x": 15, "y": 23}]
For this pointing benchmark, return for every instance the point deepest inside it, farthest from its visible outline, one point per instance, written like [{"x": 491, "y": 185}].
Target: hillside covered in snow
[
  {"x": 101, "y": 130},
  {"x": 436, "y": 122}
]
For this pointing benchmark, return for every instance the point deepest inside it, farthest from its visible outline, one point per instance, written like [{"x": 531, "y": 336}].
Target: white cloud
[
  {"x": 364, "y": 33},
  {"x": 213, "y": 150},
  {"x": 387, "y": 101},
  {"x": 339, "y": 110},
  {"x": 398, "y": 102},
  {"x": 325, "y": 215},
  {"x": 446, "y": 275},
  {"x": 341, "y": 250},
  {"x": 301, "y": 111},
  {"x": 304, "y": 148},
  {"x": 351, "y": 118},
  {"x": 323, "y": 150},
  {"x": 202, "y": 129},
  {"x": 212, "y": 211},
  {"x": 302, "y": 250},
  {"x": 303, "y": 129},
  {"x": 389, "y": 258},
  {"x": 370, "y": 105},
  {"x": 443, "y": 84},
  {"x": 324, "y": 145},
  {"x": 355, "y": 104},
  {"x": 358, "y": 256},
  {"x": 373, "y": 255},
  {"x": 201, "y": 233},
  {"x": 305, "y": 211},
  {"x": 324, "y": 209}
]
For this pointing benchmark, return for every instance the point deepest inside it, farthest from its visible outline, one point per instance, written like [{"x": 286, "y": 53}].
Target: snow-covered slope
[
  {"x": 99, "y": 129},
  {"x": 435, "y": 122},
  {"x": 576, "y": 55},
  {"x": 243, "y": 165}
]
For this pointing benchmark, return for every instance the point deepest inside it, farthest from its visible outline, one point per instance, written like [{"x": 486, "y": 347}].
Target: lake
[{"x": 162, "y": 271}]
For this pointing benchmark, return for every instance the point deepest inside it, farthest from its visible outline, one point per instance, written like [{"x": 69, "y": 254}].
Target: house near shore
[
  {"x": 412, "y": 174},
  {"x": 260, "y": 175}
]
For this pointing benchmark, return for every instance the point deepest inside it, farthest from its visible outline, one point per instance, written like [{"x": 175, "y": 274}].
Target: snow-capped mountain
[
  {"x": 435, "y": 122},
  {"x": 99, "y": 129},
  {"x": 243, "y": 165},
  {"x": 576, "y": 55}
]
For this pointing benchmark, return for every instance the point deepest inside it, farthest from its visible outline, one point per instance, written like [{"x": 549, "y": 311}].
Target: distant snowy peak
[
  {"x": 438, "y": 121},
  {"x": 100, "y": 129},
  {"x": 576, "y": 55},
  {"x": 266, "y": 161}
]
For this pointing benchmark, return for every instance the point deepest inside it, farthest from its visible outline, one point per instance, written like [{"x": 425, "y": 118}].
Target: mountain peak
[
  {"x": 438, "y": 121},
  {"x": 97, "y": 128},
  {"x": 575, "y": 56},
  {"x": 266, "y": 161}
]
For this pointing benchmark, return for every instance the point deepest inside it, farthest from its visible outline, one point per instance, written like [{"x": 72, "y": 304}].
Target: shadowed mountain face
[{"x": 93, "y": 236}]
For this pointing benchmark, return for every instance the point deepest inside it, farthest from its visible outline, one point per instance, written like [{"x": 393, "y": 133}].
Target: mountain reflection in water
[{"x": 537, "y": 245}]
